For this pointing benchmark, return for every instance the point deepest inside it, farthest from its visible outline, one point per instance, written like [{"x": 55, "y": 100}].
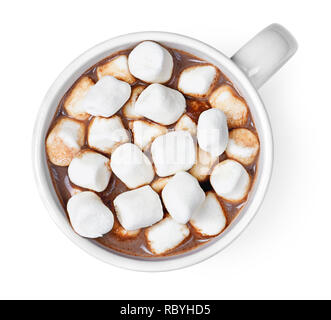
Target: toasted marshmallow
[
  {"x": 173, "y": 152},
  {"x": 230, "y": 180},
  {"x": 197, "y": 81},
  {"x": 160, "y": 183},
  {"x": 106, "y": 97},
  {"x": 64, "y": 141},
  {"x": 212, "y": 132},
  {"x": 182, "y": 196},
  {"x": 150, "y": 62},
  {"x": 90, "y": 170},
  {"x": 209, "y": 219},
  {"x": 235, "y": 109},
  {"x": 187, "y": 124},
  {"x": 138, "y": 208},
  {"x": 118, "y": 68},
  {"x": 243, "y": 146},
  {"x": 106, "y": 134},
  {"x": 160, "y": 104},
  {"x": 202, "y": 168},
  {"x": 145, "y": 132},
  {"x": 131, "y": 166},
  {"x": 88, "y": 215},
  {"x": 77, "y": 93},
  {"x": 124, "y": 234},
  {"x": 129, "y": 109},
  {"x": 166, "y": 235}
]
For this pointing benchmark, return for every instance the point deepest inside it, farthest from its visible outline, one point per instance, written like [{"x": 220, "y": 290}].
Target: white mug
[{"x": 248, "y": 69}]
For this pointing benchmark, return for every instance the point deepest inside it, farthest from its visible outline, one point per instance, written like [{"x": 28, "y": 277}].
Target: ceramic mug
[{"x": 248, "y": 69}]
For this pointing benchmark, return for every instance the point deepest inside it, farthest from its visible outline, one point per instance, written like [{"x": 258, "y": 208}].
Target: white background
[{"x": 284, "y": 253}]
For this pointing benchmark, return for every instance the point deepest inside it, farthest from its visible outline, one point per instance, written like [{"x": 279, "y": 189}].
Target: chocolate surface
[{"x": 137, "y": 246}]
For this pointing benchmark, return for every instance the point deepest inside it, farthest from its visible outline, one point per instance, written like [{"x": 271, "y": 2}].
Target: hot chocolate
[{"x": 152, "y": 152}]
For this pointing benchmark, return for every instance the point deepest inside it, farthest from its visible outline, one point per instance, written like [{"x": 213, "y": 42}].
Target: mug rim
[{"x": 174, "y": 262}]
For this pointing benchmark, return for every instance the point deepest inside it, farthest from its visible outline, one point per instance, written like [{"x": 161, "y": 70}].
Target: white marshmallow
[
  {"x": 129, "y": 110},
  {"x": 173, "y": 152},
  {"x": 145, "y": 132},
  {"x": 166, "y": 235},
  {"x": 243, "y": 146},
  {"x": 138, "y": 208},
  {"x": 202, "y": 168},
  {"x": 209, "y": 219},
  {"x": 151, "y": 62},
  {"x": 106, "y": 97},
  {"x": 182, "y": 196},
  {"x": 159, "y": 184},
  {"x": 118, "y": 68},
  {"x": 90, "y": 170},
  {"x": 227, "y": 100},
  {"x": 187, "y": 124},
  {"x": 76, "y": 94},
  {"x": 119, "y": 231},
  {"x": 131, "y": 166},
  {"x": 105, "y": 134},
  {"x": 197, "y": 81},
  {"x": 89, "y": 216},
  {"x": 212, "y": 132},
  {"x": 65, "y": 141},
  {"x": 160, "y": 104},
  {"x": 230, "y": 180}
]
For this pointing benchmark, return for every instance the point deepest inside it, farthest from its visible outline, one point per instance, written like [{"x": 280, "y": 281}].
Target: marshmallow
[
  {"x": 243, "y": 146},
  {"x": 150, "y": 62},
  {"x": 197, "y": 81},
  {"x": 131, "y": 166},
  {"x": 230, "y": 180},
  {"x": 160, "y": 104},
  {"x": 202, "y": 168},
  {"x": 90, "y": 170},
  {"x": 89, "y": 216},
  {"x": 182, "y": 196},
  {"x": 173, "y": 152},
  {"x": 166, "y": 235},
  {"x": 129, "y": 110},
  {"x": 106, "y": 97},
  {"x": 118, "y": 68},
  {"x": 145, "y": 132},
  {"x": 64, "y": 141},
  {"x": 212, "y": 132},
  {"x": 76, "y": 94},
  {"x": 105, "y": 134},
  {"x": 187, "y": 124},
  {"x": 235, "y": 109},
  {"x": 119, "y": 231},
  {"x": 159, "y": 184},
  {"x": 209, "y": 219},
  {"x": 138, "y": 208}
]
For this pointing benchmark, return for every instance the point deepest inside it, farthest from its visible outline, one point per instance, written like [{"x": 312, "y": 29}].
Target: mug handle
[{"x": 265, "y": 54}]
